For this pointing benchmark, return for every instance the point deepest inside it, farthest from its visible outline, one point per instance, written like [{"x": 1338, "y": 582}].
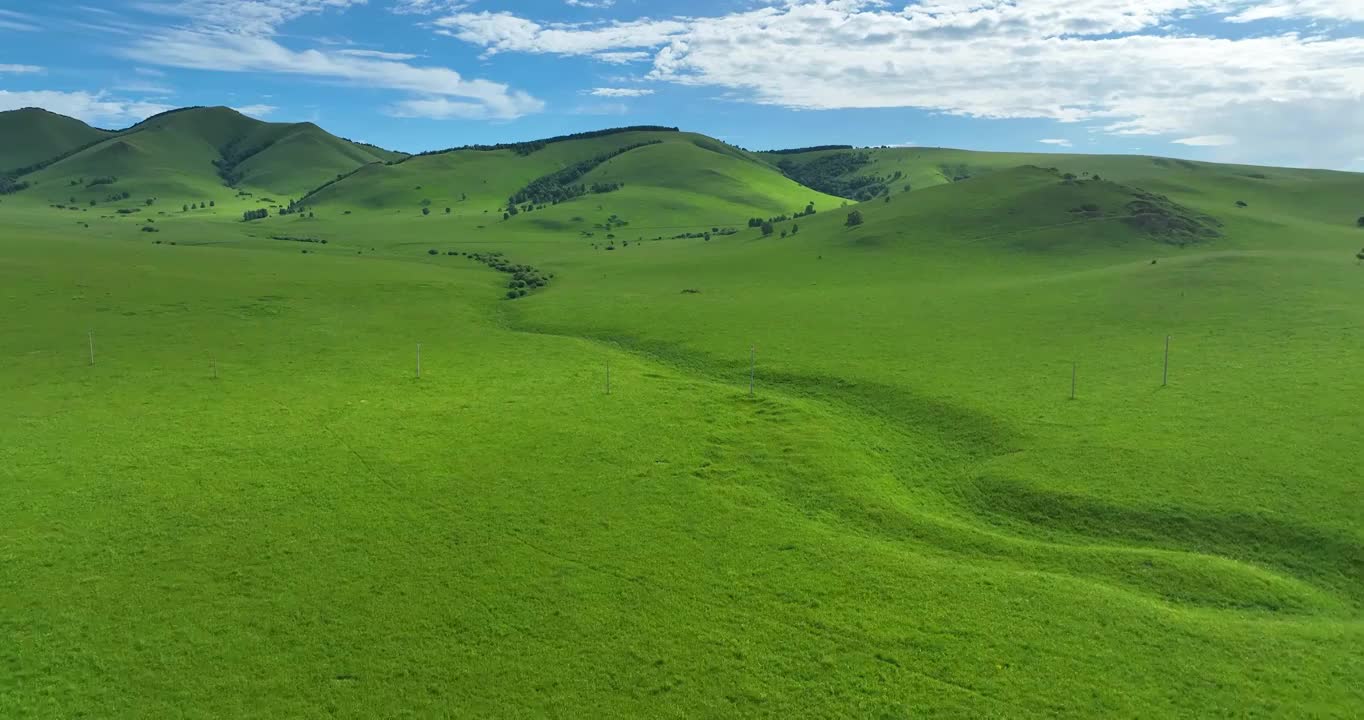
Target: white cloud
[
  {"x": 229, "y": 36},
  {"x": 256, "y": 111},
  {"x": 94, "y": 108},
  {"x": 1206, "y": 141},
  {"x": 621, "y": 92},
  {"x": 427, "y": 7},
  {"x": 248, "y": 16},
  {"x": 504, "y": 32},
  {"x": 1060, "y": 142},
  {"x": 1127, "y": 66},
  {"x": 1343, "y": 10},
  {"x": 13, "y": 20},
  {"x": 20, "y": 69},
  {"x": 437, "y": 108},
  {"x": 377, "y": 54},
  {"x": 590, "y": 3}
]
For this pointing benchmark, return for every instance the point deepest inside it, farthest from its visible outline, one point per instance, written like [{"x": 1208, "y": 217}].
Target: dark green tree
[
  {"x": 426, "y": 211},
  {"x": 855, "y": 218},
  {"x": 767, "y": 229}
]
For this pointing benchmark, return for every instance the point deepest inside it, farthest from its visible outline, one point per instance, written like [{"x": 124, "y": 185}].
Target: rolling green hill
[
  {"x": 30, "y": 136},
  {"x": 1023, "y": 442},
  {"x": 668, "y": 180},
  {"x": 191, "y": 155}
]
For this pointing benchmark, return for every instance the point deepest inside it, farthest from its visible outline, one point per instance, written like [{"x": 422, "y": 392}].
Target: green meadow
[{"x": 932, "y": 464}]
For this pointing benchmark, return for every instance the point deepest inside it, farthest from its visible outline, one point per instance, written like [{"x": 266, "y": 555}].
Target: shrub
[
  {"x": 433, "y": 251},
  {"x": 1360, "y": 222},
  {"x": 855, "y": 218},
  {"x": 250, "y": 215},
  {"x": 212, "y": 203},
  {"x": 1241, "y": 204},
  {"x": 767, "y": 229},
  {"x": 149, "y": 228},
  {"x": 447, "y": 211},
  {"x": 511, "y": 295},
  {"x": 426, "y": 211}
]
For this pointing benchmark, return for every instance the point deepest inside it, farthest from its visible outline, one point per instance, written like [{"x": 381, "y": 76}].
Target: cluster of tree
[
  {"x": 855, "y": 218},
  {"x": 329, "y": 183},
  {"x": 250, "y": 215},
  {"x": 190, "y": 206},
  {"x": 809, "y": 210},
  {"x": 707, "y": 235},
  {"x": 291, "y": 238},
  {"x": 562, "y": 185},
  {"x": 102, "y": 180},
  {"x": 1360, "y": 222},
  {"x": 524, "y": 278},
  {"x": 759, "y": 222},
  {"x": 816, "y": 148},
  {"x": 10, "y": 185},
  {"x": 526, "y": 148},
  {"x": 118, "y": 196},
  {"x": 835, "y": 174}
]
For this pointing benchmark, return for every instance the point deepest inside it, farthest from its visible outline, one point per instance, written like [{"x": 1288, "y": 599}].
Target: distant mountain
[
  {"x": 32, "y": 135},
  {"x": 181, "y": 156}
]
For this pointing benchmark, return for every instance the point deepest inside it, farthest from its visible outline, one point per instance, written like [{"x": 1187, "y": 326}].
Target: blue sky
[{"x": 1261, "y": 81}]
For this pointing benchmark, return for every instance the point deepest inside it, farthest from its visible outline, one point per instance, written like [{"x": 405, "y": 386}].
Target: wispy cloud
[
  {"x": 256, "y": 111},
  {"x": 229, "y": 36},
  {"x": 621, "y": 92},
  {"x": 377, "y": 54},
  {"x": 19, "y": 69},
  {"x": 1059, "y": 142},
  {"x": 95, "y": 108},
  {"x": 1207, "y": 141},
  {"x": 1131, "y": 67}
]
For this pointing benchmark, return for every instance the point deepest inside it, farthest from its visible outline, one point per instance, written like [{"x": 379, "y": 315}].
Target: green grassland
[{"x": 250, "y": 506}]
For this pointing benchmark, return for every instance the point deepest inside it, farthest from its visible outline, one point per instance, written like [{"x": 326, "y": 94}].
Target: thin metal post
[
  {"x": 92, "y": 347},
  {"x": 419, "y": 361},
  {"x": 1165, "y": 378},
  {"x": 1074, "y": 369},
  {"x": 215, "y": 367},
  {"x": 608, "y": 377}
]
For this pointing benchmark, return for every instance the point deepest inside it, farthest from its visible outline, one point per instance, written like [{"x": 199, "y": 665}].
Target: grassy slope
[
  {"x": 171, "y": 158},
  {"x": 910, "y": 518},
  {"x": 31, "y": 135},
  {"x": 705, "y": 183}
]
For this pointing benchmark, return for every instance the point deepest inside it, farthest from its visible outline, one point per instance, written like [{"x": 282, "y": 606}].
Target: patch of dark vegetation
[
  {"x": 562, "y": 185},
  {"x": 342, "y": 176},
  {"x": 102, "y": 180},
  {"x": 526, "y": 148},
  {"x": 11, "y": 185},
  {"x": 955, "y": 173},
  {"x": 127, "y": 211},
  {"x": 855, "y": 218},
  {"x": 1088, "y": 211},
  {"x": 1360, "y": 222},
  {"x": 1257, "y": 176},
  {"x": 1161, "y": 217},
  {"x": 691, "y": 291},
  {"x": 292, "y": 238},
  {"x": 524, "y": 278},
  {"x": 816, "y": 148},
  {"x": 250, "y": 215},
  {"x": 149, "y": 228},
  {"x": 705, "y": 235},
  {"x": 835, "y": 174},
  {"x": 1241, "y": 204}
]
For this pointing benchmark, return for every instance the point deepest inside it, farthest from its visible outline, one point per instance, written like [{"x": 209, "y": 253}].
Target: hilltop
[{"x": 186, "y": 155}]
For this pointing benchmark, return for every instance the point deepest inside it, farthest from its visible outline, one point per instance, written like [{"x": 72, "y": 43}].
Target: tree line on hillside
[
  {"x": 526, "y": 148},
  {"x": 562, "y": 185},
  {"x": 834, "y": 174},
  {"x": 816, "y": 148}
]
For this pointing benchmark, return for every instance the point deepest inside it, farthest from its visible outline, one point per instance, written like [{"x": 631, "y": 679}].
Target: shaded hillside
[
  {"x": 667, "y": 176},
  {"x": 30, "y": 136},
  {"x": 196, "y": 153}
]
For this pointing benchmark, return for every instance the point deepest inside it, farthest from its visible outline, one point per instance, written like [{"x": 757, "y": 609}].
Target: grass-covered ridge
[{"x": 909, "y": 515}]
